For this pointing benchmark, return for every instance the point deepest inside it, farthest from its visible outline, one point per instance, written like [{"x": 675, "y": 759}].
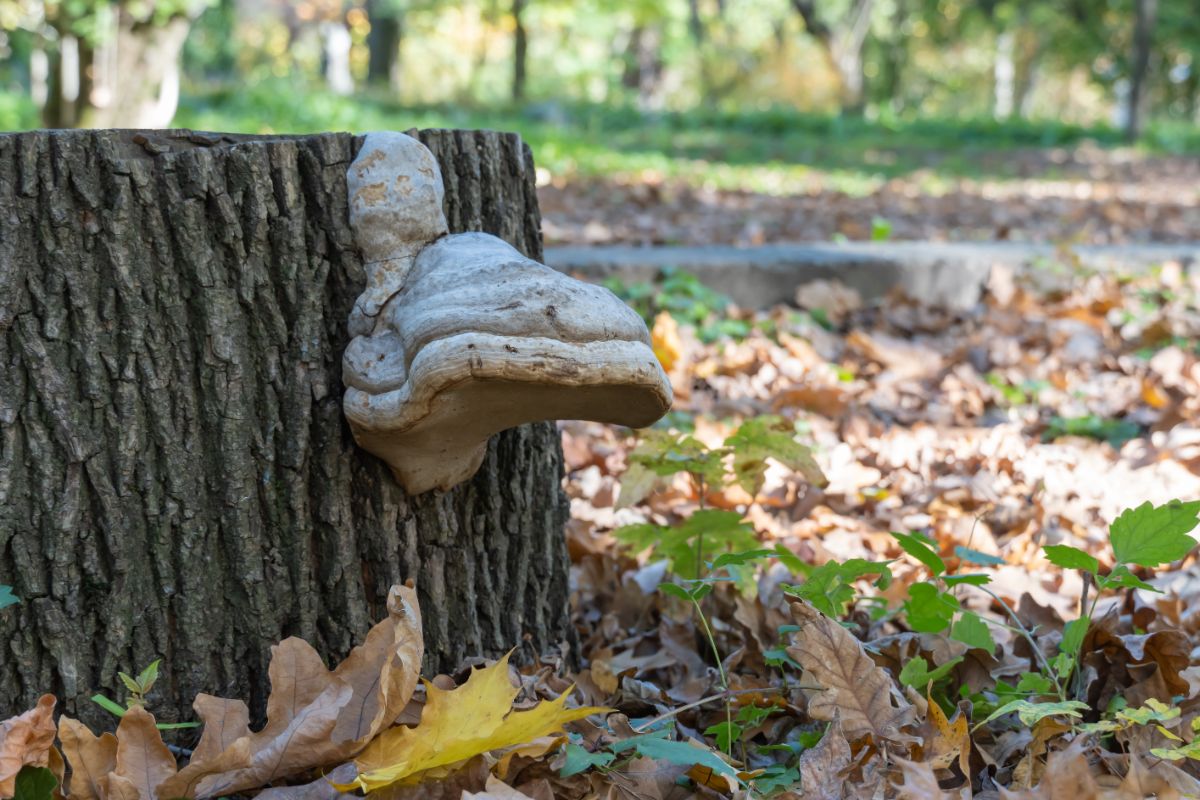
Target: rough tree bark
[{"x": 176, "y": 477}]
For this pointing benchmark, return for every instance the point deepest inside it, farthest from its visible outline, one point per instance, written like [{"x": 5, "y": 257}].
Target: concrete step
[{"x": 950, "y": 274}]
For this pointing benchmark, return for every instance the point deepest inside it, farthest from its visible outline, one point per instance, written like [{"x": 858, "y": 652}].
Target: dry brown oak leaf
[{"x": 855, "y": 688}]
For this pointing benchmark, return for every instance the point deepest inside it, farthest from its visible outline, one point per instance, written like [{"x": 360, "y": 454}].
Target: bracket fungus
[{"x": 458, "y": 337}]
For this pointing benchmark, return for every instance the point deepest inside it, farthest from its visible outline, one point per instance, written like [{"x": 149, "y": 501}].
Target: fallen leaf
[
  {"x": 26, "y": 739},
  {"x": 821, "y": 766},
  {"x": 951, "y": 739},
  {"x": 1067, "y": 774},
  {"x": 665, "y": 341},
  {"x": 458, "y": 724},
  {"x": 854, "y": 687},
  {"x": 143, "y": 761},
  {"x": 315, "y": 717},
  {"x": 91, "y": 758},
  {"x": 921, "y": 783},
  {"x": 495, "y": 790},
  {"x": 320, "y": 789}
]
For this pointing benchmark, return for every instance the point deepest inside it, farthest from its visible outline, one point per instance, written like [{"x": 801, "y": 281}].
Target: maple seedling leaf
[
  {"x": 1152, "y": 535},
  {"x": 457, "y": 725}
]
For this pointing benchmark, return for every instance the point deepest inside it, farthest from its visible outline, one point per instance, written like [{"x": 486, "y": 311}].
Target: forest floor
[
  {"x": 1033, "y": 420},
  {"x": 1082, "y": 195}
]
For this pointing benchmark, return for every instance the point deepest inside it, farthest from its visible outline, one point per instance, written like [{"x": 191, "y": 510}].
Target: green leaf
[
  {"x": 694, "y": 594},
  {"x": 130, "y": 683},
  {"x": 745, "y": 557},
  {"x": 1031, "y": 713},
  {"x": 1191, "y": 751},
  {"x": 666, "y": 453},
  {"x": 772, "y": 437},
  {"x": 722, "y": 531},
  {"x": 1152, "y": 535},
  {"x": 1069, "y": 557},
  {"x": 1062, "y": 664},
  {"x": 753, "y": 715},
  {"x": 976, "y": 557},
  {"x": 775, "y": 778},
  {"x": 791, "y": 560},
  {"x": 1122, "y": 577},
  {"x": 116, "y": 709},
  {"x": 974, "y": 579},
  {"x": 7, "y": 598},
  {"x": 916, "y": 672},
  {"x": 685, "y": 755},
  {"x": 580, "y": 760},
  {"x": 1073, "y": 635},
  {"x": 1034, "y": 683},
  {"x": 921, "y": 550},
  {"x": 778, "y": 656},
  {"x": 35, "y": 783},
  {"x": 881, "y": 229},
  {"x": 830, "y": 587},
  {"x": 971, "y": 630},
  {"x": 928, "y": 609},
  {"x": 148, "y": 676},
  {"x": 726, "y": 734},
  {"x": 1155, "y": 711}
]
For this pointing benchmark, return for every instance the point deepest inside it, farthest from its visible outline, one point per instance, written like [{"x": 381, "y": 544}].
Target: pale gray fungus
[{"x": 460, "y": 337}]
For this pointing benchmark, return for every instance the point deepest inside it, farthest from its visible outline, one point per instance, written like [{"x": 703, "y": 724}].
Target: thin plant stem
[
  {"x": 725, "y": 695},
  {"x": 712, "y": 641},
  {"x": 1024, "y": 632}
]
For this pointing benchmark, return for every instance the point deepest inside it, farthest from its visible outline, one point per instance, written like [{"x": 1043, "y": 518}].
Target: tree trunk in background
[
  {"x": 644, "y": 67},
  {"x": 842, "y": 43},
  {"x": 1145, "y": 18},
  {"x": 176, "y": 476},
  {"x": 336, "y": 45},
  {"x": 383, "y": 44},
  {"x": 1004, "y": 75},
  {"x": 520, "y": 51},
  {"x": 130, "y": 79}
]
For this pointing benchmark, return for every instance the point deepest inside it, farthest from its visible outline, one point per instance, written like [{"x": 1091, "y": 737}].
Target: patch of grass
[{"x": 773, "y": 151}]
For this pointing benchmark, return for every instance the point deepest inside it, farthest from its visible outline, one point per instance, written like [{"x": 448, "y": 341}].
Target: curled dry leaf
[
  {"x": 821, "y": 766},
  {"x": 314, "y": 717},
  {"x": 91, "y": 758},
  {"x": 26, "y": 739},
  {"x": 862, "y": 693}
]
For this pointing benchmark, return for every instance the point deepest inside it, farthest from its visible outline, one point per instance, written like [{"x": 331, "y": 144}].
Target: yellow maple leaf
[
  {"x": 457, "y": 725},
  {"x": 951, "y": 739}
]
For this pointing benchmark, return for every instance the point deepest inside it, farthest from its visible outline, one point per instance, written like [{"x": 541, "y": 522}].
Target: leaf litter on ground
[{"x": 823, "y": 655}]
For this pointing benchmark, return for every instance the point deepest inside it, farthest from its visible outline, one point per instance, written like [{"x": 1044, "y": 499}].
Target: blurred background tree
[{"x": 1121, "y": 65}]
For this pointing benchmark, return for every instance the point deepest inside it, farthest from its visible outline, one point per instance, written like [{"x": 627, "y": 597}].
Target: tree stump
[{"x": 177, "y": 479}]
